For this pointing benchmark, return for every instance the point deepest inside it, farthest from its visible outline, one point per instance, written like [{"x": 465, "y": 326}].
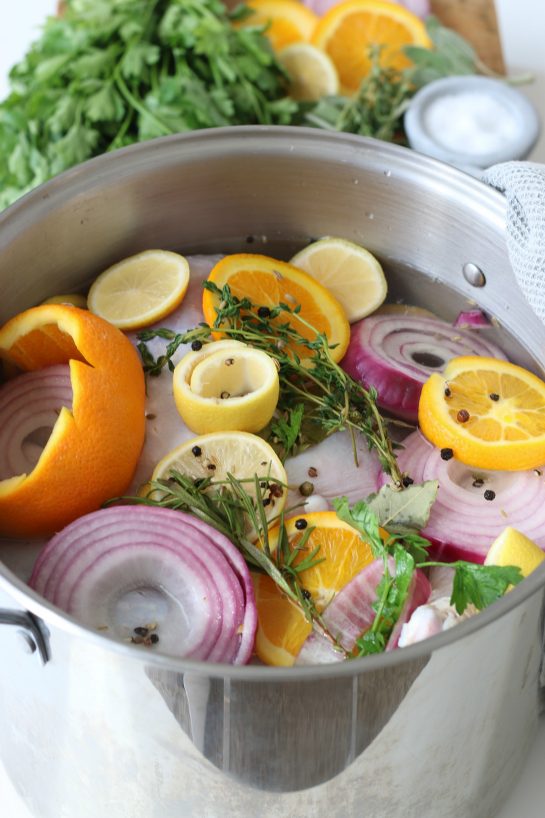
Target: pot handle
[{"x": 29, "y": 630}]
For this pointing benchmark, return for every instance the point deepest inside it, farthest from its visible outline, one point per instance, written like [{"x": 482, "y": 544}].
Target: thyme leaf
[{"x": 309, "y": 377}]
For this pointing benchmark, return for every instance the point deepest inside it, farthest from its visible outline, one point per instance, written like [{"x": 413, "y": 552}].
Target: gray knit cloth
[{"x": 523, "y": 184}]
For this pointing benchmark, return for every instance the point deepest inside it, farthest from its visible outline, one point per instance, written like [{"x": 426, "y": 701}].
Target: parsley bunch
[
  {"x": 112, "y": 72},
  {"x": 405, "y": 550}
]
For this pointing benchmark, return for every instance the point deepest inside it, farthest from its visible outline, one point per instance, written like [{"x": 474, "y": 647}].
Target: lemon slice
[
  {"x": 350, "y": 273},
  {"x": 71, "y": 299},
  {"x": 225, "y": 386},
  {"x": 140, "y": 289},
  {"x": 514, "y": 548},
  {"x": 221, "y": 453},
  {"x": 312, "y": 73}
]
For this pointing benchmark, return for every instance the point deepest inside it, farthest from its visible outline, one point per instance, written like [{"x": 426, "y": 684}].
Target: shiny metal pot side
[{"x": 92, "y": 728}]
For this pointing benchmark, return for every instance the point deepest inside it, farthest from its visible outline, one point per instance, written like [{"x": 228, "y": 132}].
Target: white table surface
[{"x": 522, "y": 26}]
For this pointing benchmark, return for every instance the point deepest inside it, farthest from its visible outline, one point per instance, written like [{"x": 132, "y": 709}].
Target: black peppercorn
[
  {"x": 196, "y": 345},
  {"x": 489, "y": 494},
  {"x": 196, "y": 451},
  {"x": 300, "y": 524},
  {"x": 494, "y": 396},
  {"x": 264, "y": 312},
  {"x": 447, "y": 393},
  {"x": 154, "y": 638},
  {"x": 306, "y": 594},
  {"x": 447, "y": 454},
  {"x": 407, "y": 481}
]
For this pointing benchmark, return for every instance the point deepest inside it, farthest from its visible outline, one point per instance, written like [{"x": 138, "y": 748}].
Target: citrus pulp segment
[
  {"x": 219, "y": 454},
  {"x": 282, "y": 627},
  {"x": 349, "y": 30},
  {"x": 350, "y": 272},
  {"x": 141, "y": 289},
  {"x": 490, "y": 412},
  {"x": 287, "y": 21},
  {"x": 268, "y": 282}
]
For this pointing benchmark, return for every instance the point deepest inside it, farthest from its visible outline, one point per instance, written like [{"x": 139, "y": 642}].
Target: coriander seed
[{"x": 306, "y": 488}]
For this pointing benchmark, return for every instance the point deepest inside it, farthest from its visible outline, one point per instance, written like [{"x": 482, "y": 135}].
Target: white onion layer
[
  {"x": 98, "y": 566},
  {"x": 29, "y": 407},
  {"x": 463, "y": 524}
]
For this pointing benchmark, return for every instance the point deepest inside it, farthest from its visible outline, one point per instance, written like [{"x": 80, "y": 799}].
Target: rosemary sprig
[
  {"x": 309, "y": 377},
  {"x": 236, "y": 509}
]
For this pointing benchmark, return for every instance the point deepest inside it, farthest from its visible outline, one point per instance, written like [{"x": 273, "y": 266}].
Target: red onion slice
[
  {"x": 29, "y": 407},
  {"x": 116, "y": 563},
  {"x": 472, "y": 319},
  {"x": 397, "y": 353},
  {"x": 351, "y": 613},
  {"x": 331, "y": 469},
  {"x": 463, "y": 524}
]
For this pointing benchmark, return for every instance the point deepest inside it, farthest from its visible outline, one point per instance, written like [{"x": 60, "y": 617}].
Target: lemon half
[{"x": 224, "y": 386}]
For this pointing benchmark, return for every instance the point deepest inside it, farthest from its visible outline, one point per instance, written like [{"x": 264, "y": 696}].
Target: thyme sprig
[
  {"x": 309, "y": 377},
  {"x": 235, "y": 507}
]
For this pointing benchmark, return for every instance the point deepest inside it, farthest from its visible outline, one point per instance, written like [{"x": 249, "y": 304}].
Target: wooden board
[{"x": 476, "y": 21}]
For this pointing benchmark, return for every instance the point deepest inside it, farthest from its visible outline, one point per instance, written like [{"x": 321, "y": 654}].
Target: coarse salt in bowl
[{"x": 471, "y": 122}]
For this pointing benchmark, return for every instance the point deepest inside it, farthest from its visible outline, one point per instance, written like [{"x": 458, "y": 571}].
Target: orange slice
[
  {"x": 268, "y": 282},
  {"x": 348, "y": 31},
  {"x": 289, "y": 21},
  {"x": 491, "y": 413},
  {"x": 282, "y": 627},
  {"x": 93, "y": 449}
]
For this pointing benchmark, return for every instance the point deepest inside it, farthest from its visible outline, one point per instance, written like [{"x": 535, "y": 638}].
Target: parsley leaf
[
  {"x": 109, "y": 73},
  {"x": 481, "y": 585},
  {"x": 286, "y": 430}
]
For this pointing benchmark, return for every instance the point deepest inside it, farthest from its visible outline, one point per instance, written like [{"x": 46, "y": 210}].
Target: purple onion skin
[
  {"x": 421, "y": 8},
  {"x": 399, "y": 395},
  {"x": 448, "y": 551}
]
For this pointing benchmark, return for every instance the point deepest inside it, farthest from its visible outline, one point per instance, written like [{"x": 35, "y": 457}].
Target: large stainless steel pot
[{"x": 90, "y": 728}]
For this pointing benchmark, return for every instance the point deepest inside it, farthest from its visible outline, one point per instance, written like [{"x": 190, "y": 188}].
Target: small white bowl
[{"x": 490, "y": 122}]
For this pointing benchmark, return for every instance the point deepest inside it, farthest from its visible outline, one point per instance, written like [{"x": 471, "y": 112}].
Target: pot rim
[{"x": 77, "y": 180}]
